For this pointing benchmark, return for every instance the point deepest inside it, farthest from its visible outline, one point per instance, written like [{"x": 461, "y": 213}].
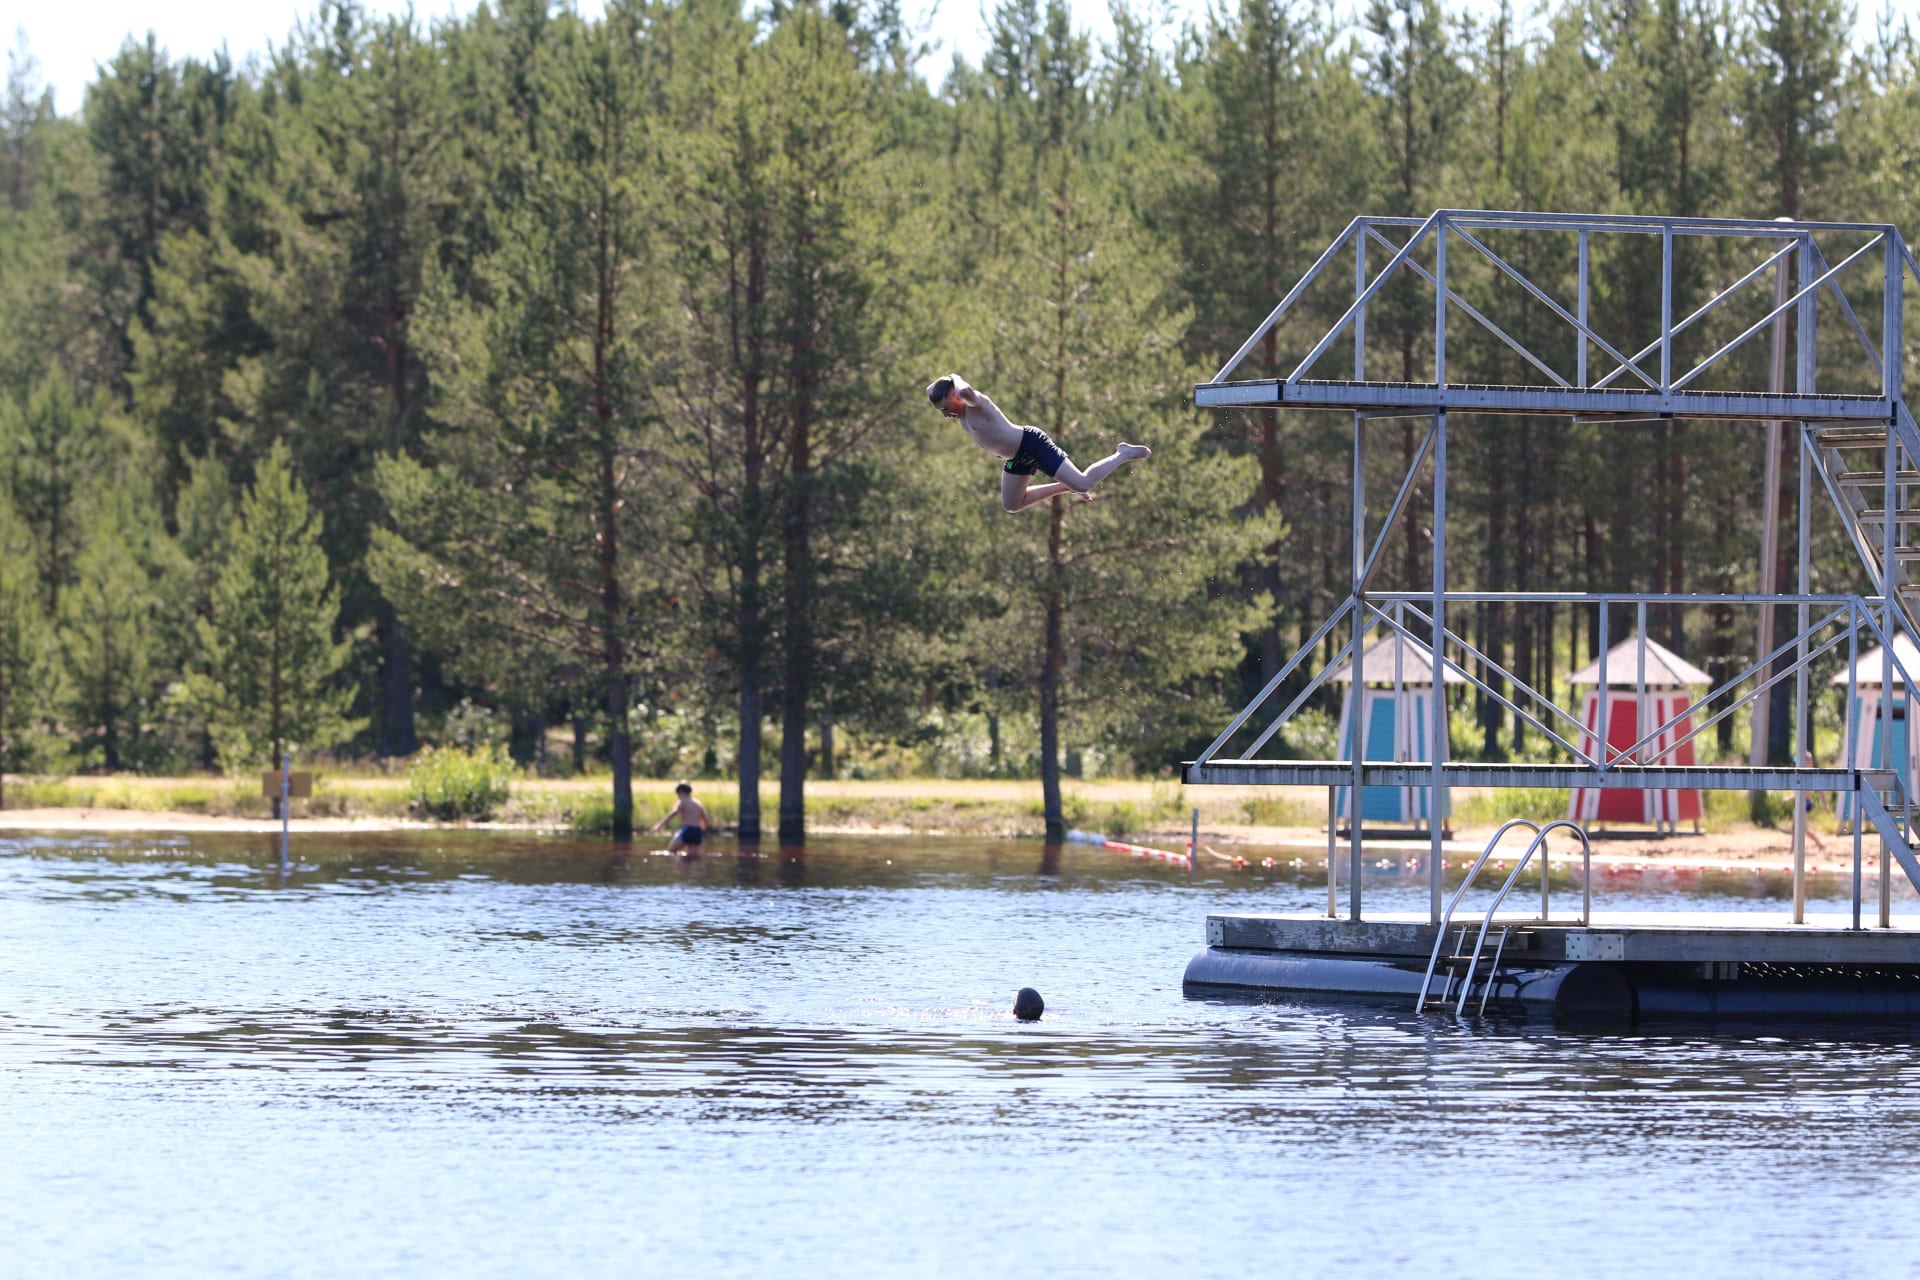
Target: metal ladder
[
  {"x": 1425, "y": 1002},
  {"x": 1853, "y": 464},
  {"x": 1896, "y": 818},
  {"x": 1433, "y": 1004}
]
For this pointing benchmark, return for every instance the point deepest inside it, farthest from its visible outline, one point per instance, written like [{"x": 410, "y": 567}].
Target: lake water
[{"x": 476, "y": 1055}]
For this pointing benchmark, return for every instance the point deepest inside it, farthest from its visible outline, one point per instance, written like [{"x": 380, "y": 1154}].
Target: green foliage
[
  {"x": 1490, "y": 808},
  {"x": 1312, "y": 734},
  {"x": 472, "y": 727},
  {"x": 58, "y": 450},
  {"x": 108, "y": 623},
  {"x": 24, "y": 640},
  {"x": 595, "y": 818},
  {"x": 267, "y": 683},
  {"x": 597, "y": 338},
  {"x": 1283, "y": 811},
  {"x": 455, "y": 784}
]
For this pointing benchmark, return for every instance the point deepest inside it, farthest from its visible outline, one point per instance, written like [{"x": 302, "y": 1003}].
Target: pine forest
[{"x": 556, "y": 384}]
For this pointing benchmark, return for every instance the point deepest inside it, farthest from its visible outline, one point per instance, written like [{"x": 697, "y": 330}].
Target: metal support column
[
  {"x": 1360, "y": 625},
  {"x": 1400, "y": 696},
  {"x": 1640, "y": 703},
  {"x": 1802, "y": 722},
  {"x": 1357, "y": 721},
  {"x": 1666, "y": 307},
  {"x": 1891, "y": 313},
  {"x": 1603, "y": 748},
  {"x": 1333, "y": 854},
  {"x": 1856, "y": 706},
  {"x": 1886, "y": 885},
  {"x": 1580, "y": 303},
  {"x": 1761, "y": 721},
  {"x": 1892, "y": 355},
  {"x": 1439, "y": 727}
]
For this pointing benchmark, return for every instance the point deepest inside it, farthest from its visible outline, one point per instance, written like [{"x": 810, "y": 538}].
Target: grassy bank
[
  {"x": 954, "y": 807},
  {"x": 996, "y": 807}
]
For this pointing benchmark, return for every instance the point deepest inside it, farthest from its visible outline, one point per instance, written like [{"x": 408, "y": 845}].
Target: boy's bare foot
[{"x": 1132, "y": 451}]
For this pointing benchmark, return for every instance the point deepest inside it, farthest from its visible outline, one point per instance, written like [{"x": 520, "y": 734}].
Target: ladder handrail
[
  {"x": 1446, "y": 916},
  {"x": 1539, "y": 842}
]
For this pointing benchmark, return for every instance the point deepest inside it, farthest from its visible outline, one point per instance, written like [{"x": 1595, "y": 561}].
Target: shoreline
[{"x": 1747, "y": 848}]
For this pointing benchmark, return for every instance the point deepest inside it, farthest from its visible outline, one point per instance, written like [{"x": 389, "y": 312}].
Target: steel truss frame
[{"x": 1644, "y": 383}]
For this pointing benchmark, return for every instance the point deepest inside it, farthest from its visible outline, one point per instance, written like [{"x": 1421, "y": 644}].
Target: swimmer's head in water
[{"x": 1028, "y": 1006}]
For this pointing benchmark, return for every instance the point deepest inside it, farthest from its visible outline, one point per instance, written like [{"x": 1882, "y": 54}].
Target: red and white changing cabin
[{"x": 1638, "y": 700}]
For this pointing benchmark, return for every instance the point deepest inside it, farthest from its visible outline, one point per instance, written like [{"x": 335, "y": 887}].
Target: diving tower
[{"x": 1794, "y": 328}]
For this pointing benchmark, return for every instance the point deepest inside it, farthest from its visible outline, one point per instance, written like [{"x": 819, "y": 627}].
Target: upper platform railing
[{"x": 1755, "y": 281}]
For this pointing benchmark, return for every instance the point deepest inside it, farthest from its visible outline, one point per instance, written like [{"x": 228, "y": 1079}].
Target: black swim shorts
[
  {"x": 1037, "y": 453},
  {"x": 691, "y": 834}
]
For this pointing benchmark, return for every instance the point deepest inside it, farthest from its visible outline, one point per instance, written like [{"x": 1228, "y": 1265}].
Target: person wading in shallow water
[
  {"x": 693, "y": 820},
  {"x": 1026, "y": 449}
]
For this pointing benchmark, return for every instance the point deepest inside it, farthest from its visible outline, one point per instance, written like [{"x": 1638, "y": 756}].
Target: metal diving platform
[{"x": 1793, "y": 329}]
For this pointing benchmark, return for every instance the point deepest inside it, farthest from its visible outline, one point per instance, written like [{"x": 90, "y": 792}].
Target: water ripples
[{"x": 805, "y": 1062}]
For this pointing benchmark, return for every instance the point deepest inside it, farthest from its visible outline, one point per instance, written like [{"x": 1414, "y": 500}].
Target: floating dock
[{"x": 1633, "y": 968}]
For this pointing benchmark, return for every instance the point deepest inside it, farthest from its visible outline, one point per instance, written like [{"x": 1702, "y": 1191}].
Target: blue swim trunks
[
  {"x": 691, "y": 834},
  {"x": 1038, "y": 452}
]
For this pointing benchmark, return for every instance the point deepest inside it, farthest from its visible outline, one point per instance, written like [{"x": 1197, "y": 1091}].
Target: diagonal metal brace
[{"x": 1890, "y": 832}]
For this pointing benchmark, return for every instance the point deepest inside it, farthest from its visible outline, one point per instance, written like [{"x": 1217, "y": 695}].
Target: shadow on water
[
  {"x": 118, "y": 866},
  {"x": 124, "y": 865}
]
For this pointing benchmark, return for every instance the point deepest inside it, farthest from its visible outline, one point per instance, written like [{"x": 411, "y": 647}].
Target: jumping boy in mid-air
[
  {"x": 1026, "y": 449},
  {"x": 693, "y": 821}
]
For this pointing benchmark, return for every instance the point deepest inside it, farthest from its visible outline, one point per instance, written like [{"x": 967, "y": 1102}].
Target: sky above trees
[{"x": 71, "y": 41}]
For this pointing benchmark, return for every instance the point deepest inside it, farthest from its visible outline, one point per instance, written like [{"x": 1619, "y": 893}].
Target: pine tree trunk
[
  {"x": 1676, "y": 530},
  {"x": 613, "y": 649},
  {"x": 1050, "y": 670},
  {"x": 620, "y": 747},
  {"x": 1720, "y": 646},
  {"x": 1054, "y": 658},
  {"x": 1493, "y": 720},
  {"x": 1785, "y": 579},
  {"x": 750, "y": 298},
  {"x": 612, "y": 602},
  {"x": 750, "y": 702},
  {"x": 799, "y": 641},
  {"x": 396, "y": 655},
  {"x": 397, "y": 737},
  {"x": 749, "y": 823},
  {"x": 1267, "y": 499}
]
